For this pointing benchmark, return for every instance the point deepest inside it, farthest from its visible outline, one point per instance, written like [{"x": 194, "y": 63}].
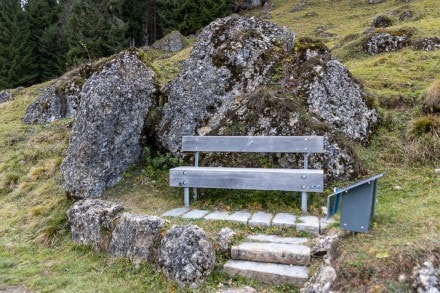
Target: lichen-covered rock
[
  {"x": 426, "y": 278},
  {"x": 172, "y": 42},
  {"x": 381, "y": 21},
  {"x": 106, "y": 134},
  {"x": 244, "y": 78},
  {"x": 5, "y": 96},
  {"x": 59, "y": 100},
  {"x": 405, "y": 15},
  {"x": 227, "y": 60},
  {"x": 137, "y": 237},
  {"x": 378, "y": 41},
  {"x": 186, "y": 256},
  {"x": 225, "y": 238},
  {"x": 375, "y": 1},
  {"x": 426, "y": 44},
  {"x": 92, "y": 222},
  {"x": 321, "y": 281}
]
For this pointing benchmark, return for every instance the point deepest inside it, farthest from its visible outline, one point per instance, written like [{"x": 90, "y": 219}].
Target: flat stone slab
[
  {"x": 267, "y": 272},
  {"x": 309, "y": 224},
  {"x": 260, "y": 219},
  {"x": 175, "y": 212},
  {"x": 195, "y": 214},
  {"x": 291, "y": 254},
  {"x": 219, "y": 216},
  {"x": 277, "y": 239},
  {"x": 240, "y": 217},
  {"x": 284, "y": 219}
]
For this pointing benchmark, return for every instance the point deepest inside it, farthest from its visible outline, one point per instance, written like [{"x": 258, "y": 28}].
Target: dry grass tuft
[{"x": 431, "y": 104}]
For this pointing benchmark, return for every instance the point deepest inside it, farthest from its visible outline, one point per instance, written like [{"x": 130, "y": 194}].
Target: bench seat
[{"x": 307, "y": 180}]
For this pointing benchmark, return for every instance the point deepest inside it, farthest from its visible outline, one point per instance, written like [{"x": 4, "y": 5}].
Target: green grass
[{"x": 35, "y": 246}]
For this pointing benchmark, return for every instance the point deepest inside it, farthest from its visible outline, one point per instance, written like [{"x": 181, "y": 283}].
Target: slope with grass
[{"x": 35, "y": 247}]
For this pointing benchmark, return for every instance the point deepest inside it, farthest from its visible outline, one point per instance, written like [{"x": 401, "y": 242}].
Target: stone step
[
  {"x": 291, "y": 254},
  {"x": 276, "y": 239},
  {"x": 267, "y": 272}
]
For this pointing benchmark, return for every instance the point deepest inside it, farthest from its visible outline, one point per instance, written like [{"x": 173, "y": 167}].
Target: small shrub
[
  {"x": 160, "y": 162},
  {"x": 431, "y": 104},
  {"x": 424, "y": 141}
]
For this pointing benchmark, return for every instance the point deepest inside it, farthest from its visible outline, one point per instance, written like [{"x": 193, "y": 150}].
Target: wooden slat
[
  {"x": 248, "y": 178},
  {"x": 258, "y": 144}
]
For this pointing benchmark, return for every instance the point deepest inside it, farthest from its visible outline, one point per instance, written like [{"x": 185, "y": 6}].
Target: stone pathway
[{"x": 311, "y": 224}]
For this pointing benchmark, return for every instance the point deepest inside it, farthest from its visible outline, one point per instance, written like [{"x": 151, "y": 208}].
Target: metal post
[
  {"x": 186, "y": 197},
  {"x": 196, "y": 164},
  {"x": 304, "y": 193}
]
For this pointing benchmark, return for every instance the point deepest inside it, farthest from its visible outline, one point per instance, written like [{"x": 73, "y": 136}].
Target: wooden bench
[{"x": 303, "y": 180}]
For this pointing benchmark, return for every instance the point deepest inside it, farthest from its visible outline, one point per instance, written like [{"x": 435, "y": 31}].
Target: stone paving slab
[
  {"x": 175, "y": 212},
  {"x": 240, "y": 217},
  {"x": 261, "y": 219},
  {"x": 309, "y": 224},
  {"x": 219, "y": 216},
  {"x": 291, "y": 254},
  {"x": 195, "y": 214},
  {"x": 277, "y": 239},
  {"x": 284, "y": 219},
  {"x": 267, "y": 272}
]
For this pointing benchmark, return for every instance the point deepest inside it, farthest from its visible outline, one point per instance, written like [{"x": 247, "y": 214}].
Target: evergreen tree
[
  {"x": 188, "y": 16},
  {"x": 94, "y": 29},
  {"x": 17, "y": 65},
  {"x": 42, "y": 16}
]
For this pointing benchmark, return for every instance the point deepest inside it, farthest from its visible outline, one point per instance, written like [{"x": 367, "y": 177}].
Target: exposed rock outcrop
[
  {"x": 241, "y": 80},
  {"x": 172, "y": 42},
  {"x": 426, "y": 278},
  {"x": 380, "y": 41},
  {"x": 381, "y": 21},
  {"x": 321, "y": 281},
  {"x": 426, "y": 44},
  {"x": 5, "y": 96},
  {"x": 92, "y": 222},
  {"x": 137, "y": 237},
  {"x": 106, "y": 135},
  {"x": 186, "y": 255},
  {"x": 60, "y": 100}
]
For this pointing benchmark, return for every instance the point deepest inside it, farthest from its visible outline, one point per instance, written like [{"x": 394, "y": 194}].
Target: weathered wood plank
[
  {"x": 248, "y": 178},
  {"x": 258, "y": 144}
]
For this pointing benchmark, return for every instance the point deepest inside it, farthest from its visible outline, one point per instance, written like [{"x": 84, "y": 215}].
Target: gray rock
[
  {"x": 5, "y": 96},
  {"x": 106, "y": 135},
  {"x": 382, "y": 41},
  {"x": 225, "y": 238},
  {"x": 381, "y": 21},
  {"x": 60, "y": 100},
  {"x": 405, "y": 15},
  {"x": 223, "y": 89},
  {"x": 246, "y": 289},
  {"x": 172, "y": 42},
  {"x": 426, "y": 278},
  {"x": 137, "y": 237},
  {"x": 321, "y": 281},
  {"x": 375, "y": 1},
  {"x": 186, "y": 256},
  {"x": 92, "y": 222},
  {"x": 323, "y": 243},
  {"x": 426, "y": 44},
  {"x": 227, "y": 61}
]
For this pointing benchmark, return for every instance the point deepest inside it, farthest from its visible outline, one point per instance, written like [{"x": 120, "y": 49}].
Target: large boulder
[
  {"x": 186, "y": 255},
  {"x": 172, "y": 42},
  {"x": 60, "y": 99},
  {"x": 244, "y": 78},
  {"x": 137, "y": 237},
  {"x": 92, "y": 222},
  {"x": 106, "y": 134},
  {"x": 380, "y": 41}
]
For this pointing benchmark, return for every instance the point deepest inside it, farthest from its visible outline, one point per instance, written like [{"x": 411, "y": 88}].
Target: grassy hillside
[{"x": 35, "y": 247}]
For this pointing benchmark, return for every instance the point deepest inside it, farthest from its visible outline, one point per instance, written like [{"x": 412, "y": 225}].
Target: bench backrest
[{"x": 256, "y": 144}]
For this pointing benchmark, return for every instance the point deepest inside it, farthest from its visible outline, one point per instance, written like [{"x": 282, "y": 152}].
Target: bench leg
[
  {"x": 195, "y": 193},
  {"x": 304, "y": 202},
  {"x": 186, "y": 197}
]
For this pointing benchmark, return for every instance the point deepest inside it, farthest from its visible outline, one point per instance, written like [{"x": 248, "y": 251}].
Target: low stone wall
[{"x": 184, "y": 254}]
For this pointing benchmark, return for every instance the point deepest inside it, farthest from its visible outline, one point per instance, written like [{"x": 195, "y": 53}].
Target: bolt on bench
[{"x": 303, "y": 180}]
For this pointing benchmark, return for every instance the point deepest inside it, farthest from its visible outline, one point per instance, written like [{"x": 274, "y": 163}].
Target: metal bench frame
[{"x": 304, "y": 180}]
